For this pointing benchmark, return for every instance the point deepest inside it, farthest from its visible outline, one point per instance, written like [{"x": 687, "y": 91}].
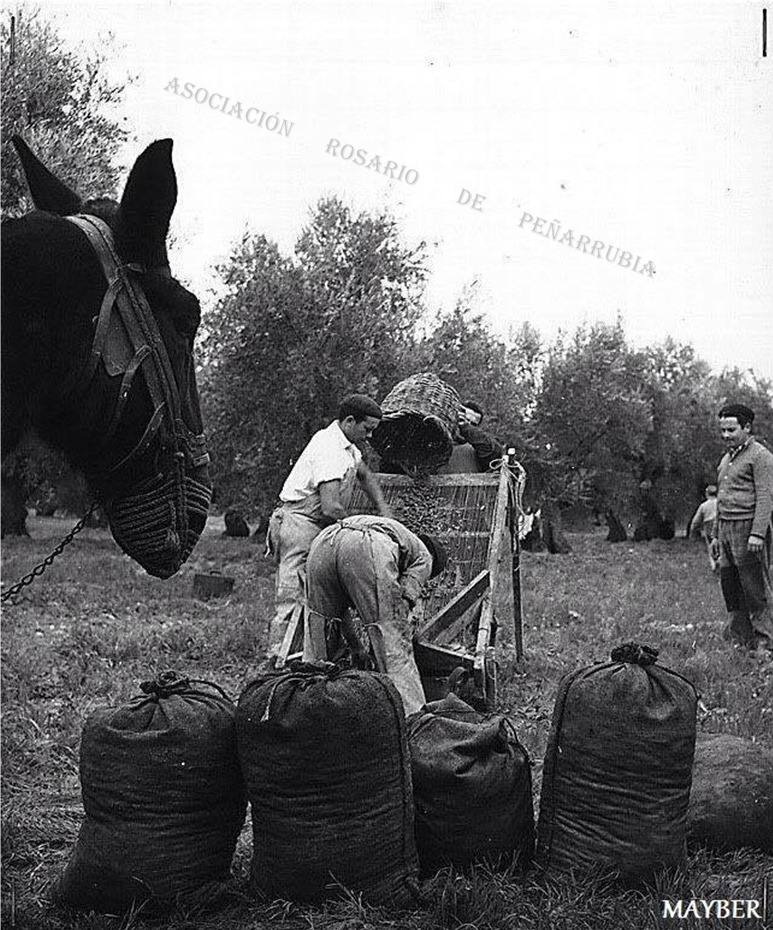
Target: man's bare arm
[
  {"x": 694, "y": 530},
  {"x": 373, "y": 490},
  {"x": 330, "y": 500}
]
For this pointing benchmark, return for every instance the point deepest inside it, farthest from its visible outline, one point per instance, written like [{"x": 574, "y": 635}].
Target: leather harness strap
[{"x": 126, "y": 316}]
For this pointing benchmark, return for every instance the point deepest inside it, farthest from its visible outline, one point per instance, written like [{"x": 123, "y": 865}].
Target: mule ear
[
  {"x": 48, "y": 192},
  {"x": 147, "y": 205}
]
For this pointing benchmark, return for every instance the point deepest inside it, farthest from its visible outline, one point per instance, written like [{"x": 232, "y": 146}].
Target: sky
[{"x": 644, "y": 128}]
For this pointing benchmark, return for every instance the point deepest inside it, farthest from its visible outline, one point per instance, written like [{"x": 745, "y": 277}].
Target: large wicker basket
[{"x": 419, "y": 422}]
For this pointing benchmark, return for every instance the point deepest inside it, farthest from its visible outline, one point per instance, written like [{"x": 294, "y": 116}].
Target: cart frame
[{"x": 491, "y": 600}]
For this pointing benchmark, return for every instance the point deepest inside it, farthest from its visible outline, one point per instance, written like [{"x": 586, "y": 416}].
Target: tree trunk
[
  {"x": 553, "y": 530},
  {"x": 14, "y": 513},
  {"x": 666, "y": 530},
  {"x": 235, "y": 524},
  {"x": 617, "y": 531},
  {"x": 97, "y": 519},
  {"x": 262, "y": 528}
]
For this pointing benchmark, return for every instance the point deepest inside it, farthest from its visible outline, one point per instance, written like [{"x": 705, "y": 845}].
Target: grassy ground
[{"x": 86, "y": 633}]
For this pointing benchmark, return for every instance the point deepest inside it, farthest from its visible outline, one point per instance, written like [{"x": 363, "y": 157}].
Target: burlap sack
[
  {"x": 471, "y": 787},
  {"x": 618, "y": 768},
  {"x": 325, "y": 761},
  {"x": 163, "y": 796},
  {"x": 731, "y": 802}
]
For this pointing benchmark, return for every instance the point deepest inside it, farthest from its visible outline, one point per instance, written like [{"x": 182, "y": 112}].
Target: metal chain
[{"x": 38, "y": 570}]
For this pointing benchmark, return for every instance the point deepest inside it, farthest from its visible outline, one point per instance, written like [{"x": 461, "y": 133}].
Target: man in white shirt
[{"x": 315, "y": 494}]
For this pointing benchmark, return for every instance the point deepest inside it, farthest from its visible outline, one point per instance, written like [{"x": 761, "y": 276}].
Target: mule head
[{"x": 143, "y": 453}]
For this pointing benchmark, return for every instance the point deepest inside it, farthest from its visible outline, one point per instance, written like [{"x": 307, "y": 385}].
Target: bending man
[
  {"x": 378, "y": 566},
  {"x": 317, "y": 492}
]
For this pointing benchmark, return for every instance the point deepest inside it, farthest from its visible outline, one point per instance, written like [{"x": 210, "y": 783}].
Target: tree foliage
[
  {"x": 683, "y": 444},
  {"x": 591, "y": 418},
  {"x": 594, "y": 420},
  {"x": 60, "y": 101},
  {"x": 293, "y": 335},
  {"x": 621, "y": 429},
  {"x": 499, "y": 375}
]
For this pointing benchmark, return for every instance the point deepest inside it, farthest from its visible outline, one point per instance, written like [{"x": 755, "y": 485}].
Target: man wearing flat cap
[
  {"x": 316, "y": 493},
  {"x": 743, "y": 529},
  {"x": 377, "y": 566}
]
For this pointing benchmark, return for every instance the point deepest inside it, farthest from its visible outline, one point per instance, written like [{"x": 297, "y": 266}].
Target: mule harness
[{"x": 132, "y": 333}]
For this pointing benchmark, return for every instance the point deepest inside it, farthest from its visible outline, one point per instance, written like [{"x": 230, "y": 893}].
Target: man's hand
[
  {"x": 715, "y": 549},
  {"x": 410, "y": 590},
  {"x": 373, "y": 490},
  {"x": 468, "y": 417},
  {"x": 755, "y": 543}
]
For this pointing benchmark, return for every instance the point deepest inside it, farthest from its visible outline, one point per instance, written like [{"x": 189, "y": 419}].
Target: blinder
[{"x": 127, "y": 342}]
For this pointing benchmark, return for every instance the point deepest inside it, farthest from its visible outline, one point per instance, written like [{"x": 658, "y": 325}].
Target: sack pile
[
  {"x": 163, "y": 795},
  {"x": 472, "y": 787},
  {"x": 618, "y": 768},
  {"x": 325, "y": 761},
  {"x": 332, "y": 771}
]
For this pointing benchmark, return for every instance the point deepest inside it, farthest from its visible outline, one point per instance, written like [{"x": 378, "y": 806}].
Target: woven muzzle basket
[{"x": 419, "y": 422}]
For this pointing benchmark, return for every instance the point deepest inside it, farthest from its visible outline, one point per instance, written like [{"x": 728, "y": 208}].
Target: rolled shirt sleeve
[{"x": 329, "y": 456}]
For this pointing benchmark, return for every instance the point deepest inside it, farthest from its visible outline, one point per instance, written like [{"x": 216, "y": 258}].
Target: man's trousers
[
  {"x": 745, "y": 580},
  {"x": 352, "y": 566},
  {"x": 291, "y": 535}
]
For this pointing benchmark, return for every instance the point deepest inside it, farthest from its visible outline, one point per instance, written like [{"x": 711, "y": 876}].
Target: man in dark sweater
[
  {"x": 474, "y": 449},
  {"x": 743, "y": 529}
]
